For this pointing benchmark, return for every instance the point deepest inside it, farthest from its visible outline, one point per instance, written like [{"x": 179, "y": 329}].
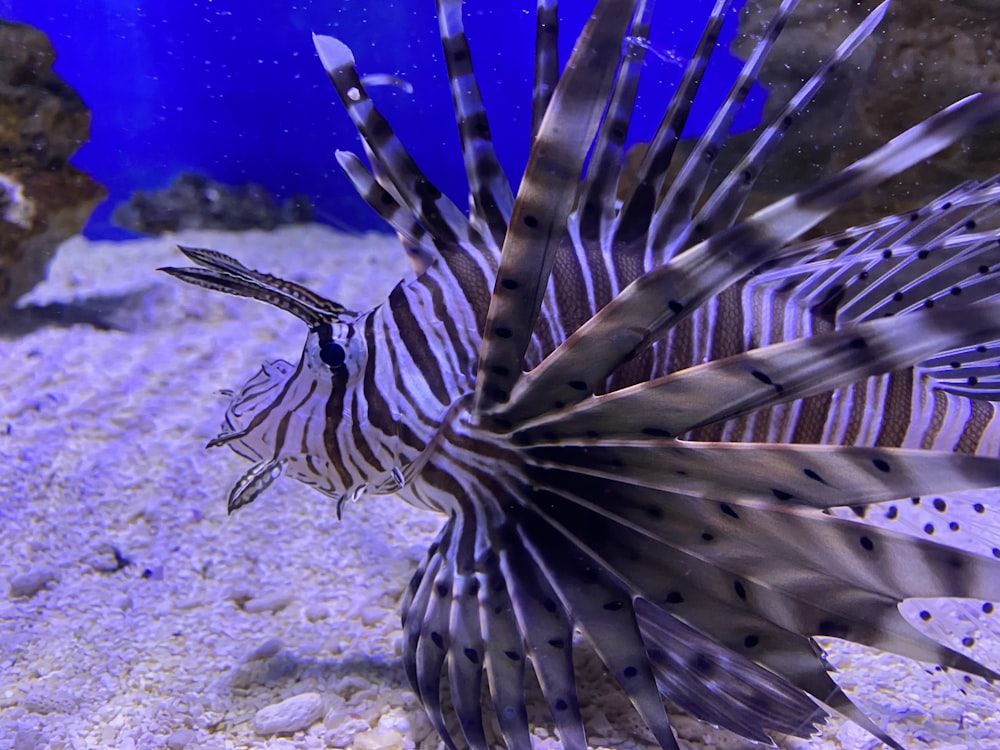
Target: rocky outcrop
[
  {"x": 43, "y": 199},
  {"x": 193, "y": 201}
]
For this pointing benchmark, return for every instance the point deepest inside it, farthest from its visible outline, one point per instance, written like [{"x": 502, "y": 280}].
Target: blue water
[{"x": 233, "y": 88}]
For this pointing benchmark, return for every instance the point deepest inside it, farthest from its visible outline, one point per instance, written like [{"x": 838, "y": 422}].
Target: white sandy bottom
[{"x": 201, "y": 621}]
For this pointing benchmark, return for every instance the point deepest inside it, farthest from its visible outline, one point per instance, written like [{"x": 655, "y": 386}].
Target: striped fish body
[
  {"x": 363, "y": 425},
  {"x": 647, "y": 419}
]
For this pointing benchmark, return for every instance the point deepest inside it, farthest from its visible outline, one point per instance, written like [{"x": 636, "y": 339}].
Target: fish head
[{"x": 293, "y": 419}]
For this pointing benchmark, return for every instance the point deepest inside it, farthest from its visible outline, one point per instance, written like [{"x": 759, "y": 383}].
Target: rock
[
  {"x": 344, "y": 729},
  {"x": 194, "y": 201},
  {"x": 28, "y": 739},
  {"x": 379, "y": 739},
  {"x": 45, "y": 701},
  {"x": 316, "y": 612},
  {"x": 107, "y": 558},
  {"x": 31, "y": 582},
  {"x": 265, "y": 650},
  {"x": 274, "y": 602},
  {"x": 292, "y": 715},
  {"x": 43, "y": 199},
  {"x": 181, "y": 738}
]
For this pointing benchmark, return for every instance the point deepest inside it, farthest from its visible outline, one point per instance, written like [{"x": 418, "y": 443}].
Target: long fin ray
[
  {"x": 649, "y": 307},
  {"x": 548, "y": 636},
  {"x": 414, "y": 237},
  {"x": 601, "y": 608},
  {"x": 675, "y": 404},
  {"x": 640, "y": 199},
  {"x": 546, "y": 60},
  {"x": 504, "y": 657},
  {"x": 466, "y": 646},
  {"x": 783, "y": 652},
  {"x": 856, "y": 599},
  {"x": 432, "y": 641},
  {"x": 209, "y": 278},
  {"x": 821, "y": 476},
  {"x": 488, "y": 187},
  {"x": 596, "y": 210},
  {"x": 675, "y": 209},
  {"x": 462, "y": 248},
  {"x": 725, "y": 203},
  {"x": 719, "y": 685},
  {"x": 226, "y": 268},
  {"x": 545, "y": 198},
  {"x": 415, "y": 601}
]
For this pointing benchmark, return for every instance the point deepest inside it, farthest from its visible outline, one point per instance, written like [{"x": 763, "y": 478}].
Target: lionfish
[{"x": 641, "y": 411}]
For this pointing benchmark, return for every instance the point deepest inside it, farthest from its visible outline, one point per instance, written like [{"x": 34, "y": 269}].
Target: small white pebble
[
  {"x": 291, "y": 715},
  {"x": 371, "y": 615},
  {"x": 379, "y": 739},
  {"x": 31, "y": 582},
  {"x": 395, "y": 720},
  {"x": 181, "y": 738},
  {"x": 316, "y": 612},
  {"x": 343, "y": 733},
  {"x": 268, "y": 603},
  {"x": 265, "y": 650}
]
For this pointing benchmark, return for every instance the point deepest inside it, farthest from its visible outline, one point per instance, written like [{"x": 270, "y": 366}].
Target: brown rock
[{"x": 43, "y": 199}]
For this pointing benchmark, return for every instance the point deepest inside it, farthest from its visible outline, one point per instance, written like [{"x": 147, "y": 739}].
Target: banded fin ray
[
  {"x": 706, "y": 679},
  {"x": 415, "y": 603},
  {"x": 453, "y": 235},
  {"x": 545, "y": 198},
  {"x": 724, "y": 204},
  {"x": 640, "y": 198},
  {"x": 504, "y": 656},
  {"x": 675, "y": 208},
  {"x": 675, "y": 404},
  {"x": 864, "y": 272},
  {"x": 546, "y": 70},
  {"x": 489, "y": 190},
  {"x": 596, "y": 211},
  {"x": 738, "y": 632},
  {"x": 465, "y": 652},
  {"x": 597, "y": 603},
  {"x": 819, "y": 605},
  {"x": 649, "y": 307},
  {"x": 222, "y": 273},
  {"x": 821, "y": 476},
  {"x": 799, "y": 594},
  {"x": 431, "y": 649},
  {"x": 411, "y": 233}
]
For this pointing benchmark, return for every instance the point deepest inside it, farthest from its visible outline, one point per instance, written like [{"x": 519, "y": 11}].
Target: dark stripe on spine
[{"x": 412, "y": 336}]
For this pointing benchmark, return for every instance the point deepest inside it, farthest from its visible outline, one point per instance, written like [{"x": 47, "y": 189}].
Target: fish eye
[{"x": 332, "y": 354}]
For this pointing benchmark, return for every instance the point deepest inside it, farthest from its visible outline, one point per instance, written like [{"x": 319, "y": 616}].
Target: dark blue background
[{"x": 233, "y": 88}]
